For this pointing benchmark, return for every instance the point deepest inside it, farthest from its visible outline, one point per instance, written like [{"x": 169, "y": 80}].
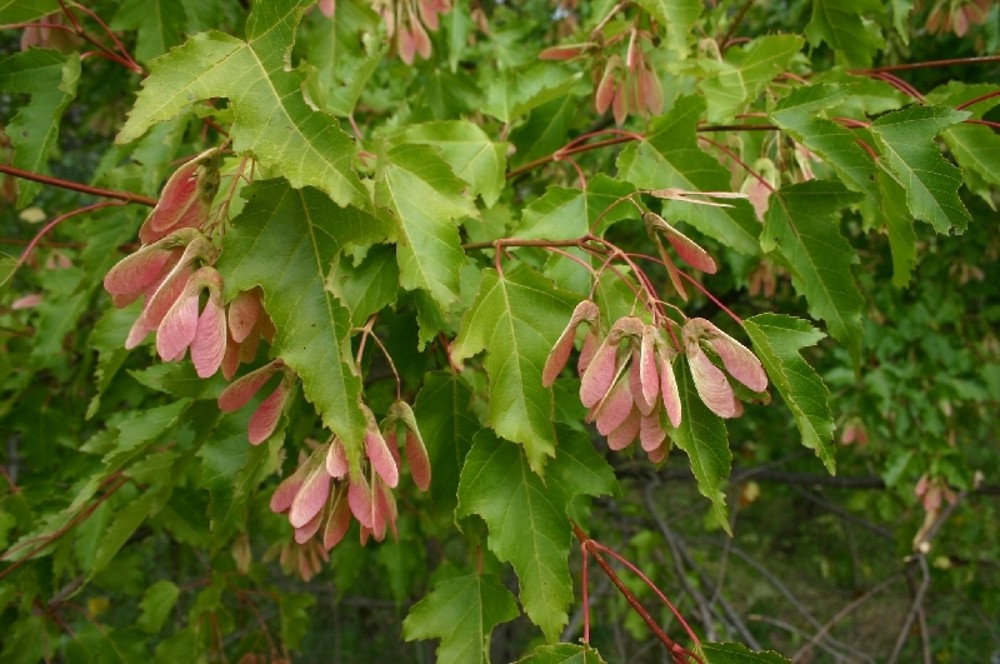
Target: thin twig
[
  {"x": 126, "y": 196},
  {"x": 915, "y": 608}
]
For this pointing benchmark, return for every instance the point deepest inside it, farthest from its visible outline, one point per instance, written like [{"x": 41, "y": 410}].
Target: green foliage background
[{"x": 134, "y": 519}]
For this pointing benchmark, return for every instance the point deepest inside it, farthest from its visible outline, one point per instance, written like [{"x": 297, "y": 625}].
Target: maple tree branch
[
  {"x": 724, "y": 43},
  {"x": 927, "y": 64},
  {"x": 126, "y": 196}
]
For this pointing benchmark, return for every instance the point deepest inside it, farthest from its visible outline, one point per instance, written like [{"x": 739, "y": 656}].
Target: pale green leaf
[
  {"x": 108, "y": 338},
  {"x": 563, "y": 213},
  {"x": 50, "y": 77},
  {"x": 127, "y": 521},
  {"x": 157, "y": 603},
  {"x": 906, "y": 140},
  {"x": 703, "y": 437},
  {"x": 679, "y": 18},
  {"x": 841, "y": 25},
  {"x": 737, "y": 653},
  {"x": 670, "y": 157},
  {"x": 462, "y": 612},
  {"x": 563, "y": 653},
  {"x": 272, "y": 119},
  {"x": 471, "y": 154},
  {"x": 160, "y": 25},
  {"x": 419, "y": 187},
  {"x": 801, "y": 115},
  {"x": 976, "y": 148},
  {"x": 526, "y": 516},
  {"x": 802, "y": 231},
  {"x": 901, "y": 10},
  {"x": 777, "y": 340},
  {"x": 745, "y": 71},
  {"x": 516, "y": 318},
  {"x": 285, "y": 241}
]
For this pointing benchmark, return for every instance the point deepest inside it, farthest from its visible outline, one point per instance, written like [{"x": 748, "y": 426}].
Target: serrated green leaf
[
  {"x": 157, "y": 603},
  {"x": 127, "y": 521},
  {"x": 800, "y": 114},
  {"x": 50, "y": 77},
  {"x": 777, "y": 340},
  {"x": 802, "y": 230},
  {"x": 295, "y": 617},
  {"x": 901, "y": 10},
  {"x": 26, "y": 641},
  {"x": 108, "y": 339},
  {"x": 746, "y": 70},
  {"x": 160, "y": 25},
  {"x": 22, "y": 11},
  {"x": 976, "y": 148},
  {"x": 906, "y": 140},
  {"x": 841, "y": 25},
  {"x": 899, "y": 223},
  {"x": 703, "y": 437},
  {"x": 737, "y": 653},
  {"x": 546, "y": 130},
  {"x": 285, "y": 241},
  {"x": 462, "y": 612},
  {"x": 670, "y": 157},
  {"x": 471, "y": 154},
  {"x": 513, "y": 93},
  {"x": 273, "y": 121},
  {"x": 526, "y": 516},
  {"x": 447, "y": 425},
  {"x": 517, "y": 318},
  {"x": 368, "y": 287},
  {"x": 563, "y": 653},
  {"x": 427, "y": 198},
  {"x": 563, "y": 213},
  {"x": 678, "y": 17}
]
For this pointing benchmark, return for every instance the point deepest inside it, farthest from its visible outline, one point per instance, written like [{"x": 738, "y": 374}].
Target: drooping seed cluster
[
  {"x": 628, "y": 381},
  {"x": 174, "y": 267},
  {"x": 172, "y": 270}
]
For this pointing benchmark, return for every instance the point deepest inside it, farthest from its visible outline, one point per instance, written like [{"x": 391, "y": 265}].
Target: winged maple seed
[
  {"x": 324, "y": 492},
  {"x": 265, "y": 418},
  {"x": 405, "y": 21},
  {"x": 629, "y": 86},
  {"x": 186, "y": 198},
  {"x": 628, "y": 384}
]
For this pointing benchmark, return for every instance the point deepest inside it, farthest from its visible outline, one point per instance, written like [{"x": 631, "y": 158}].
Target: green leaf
[
  {"x": 157, "y": 603},
  {"x": 160, "y": 25},
  {"x": 901, "y": 10},
  {"x": 976, "y": 148},
  {"x": 546, "y": 130},
  {"x": 108, "y": 339},
  {"x": 703, "y": 437},
  {"x": 447, "y": 425},
  {"x": 906, "y": 140},
  {"x": 469, "y": 151},
  {"x": 841, "y": 25},
  {"x": 800, "y": 114},
  {"x": 801, "y": 229},
  {"x": 678, "y": 17},
  {"x": 295, "y": 617},
  {"x": 899, "y": 223},
  {"x": 744, "y": 73},
  {"x": 527, "y": 520},
  {"x": 22, "y": 11},
  {"x": 51, "y": 78},
  {"x": 26, "y": 641},
  {"x": 127, "y": 521},
  {"x": 563, "y": 653},
  {"x": 462, "y": 612},
  {"x": 737, "y": 653},
  {"x": 513, "y": 93},
  {"x": 285, "y": 241},
  {"x": 517, "y": 318},
  {"x": 368, "y": 287},
  {"x": 670, "y": 157},
  {"x": 563, "y": 213},
  {"x": 777, "y": 340},
  {"x": 273, "y": 121},
  {"x": 427, "y": 198}
]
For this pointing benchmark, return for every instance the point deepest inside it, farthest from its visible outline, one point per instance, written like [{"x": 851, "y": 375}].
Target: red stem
[
  {"x": 984, "y": 59},
  {"x": 126, "y": 196},
  {"x": 55, "y": 222}
]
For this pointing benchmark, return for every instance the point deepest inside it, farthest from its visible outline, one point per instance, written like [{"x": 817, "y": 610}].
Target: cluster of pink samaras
[
  {"x": 406, "y": 23},
  {"x": 627, "y": 378},
  {"x": 174, "y": 272}
]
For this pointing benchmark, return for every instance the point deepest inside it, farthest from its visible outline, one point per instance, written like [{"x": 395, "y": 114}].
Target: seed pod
[
  {"x": 185, "y": 199},
  {"x": 627, "y": 431},
  {"x": 586, "y": 311},
  {"x": 652, "y": 433},
  {"x": 649, "y": 377},
  {"x": 378, "y": 451},
  {"x": 738, "y": 360},
  {"x": 337, "y": 465},
  {"x": 605, "y": 94},
  {"x": 669, "y": 394},
  {"x": 713, "y": 388},
  {"x": 601, "y": 372},
  {"x": 615, "y": 407},
  {"x": 313, "y": 492},
  {"x": 338, "y": 519}
]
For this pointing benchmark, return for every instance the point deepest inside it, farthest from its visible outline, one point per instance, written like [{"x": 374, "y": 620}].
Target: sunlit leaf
[{"x": 516, "y": 318}]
